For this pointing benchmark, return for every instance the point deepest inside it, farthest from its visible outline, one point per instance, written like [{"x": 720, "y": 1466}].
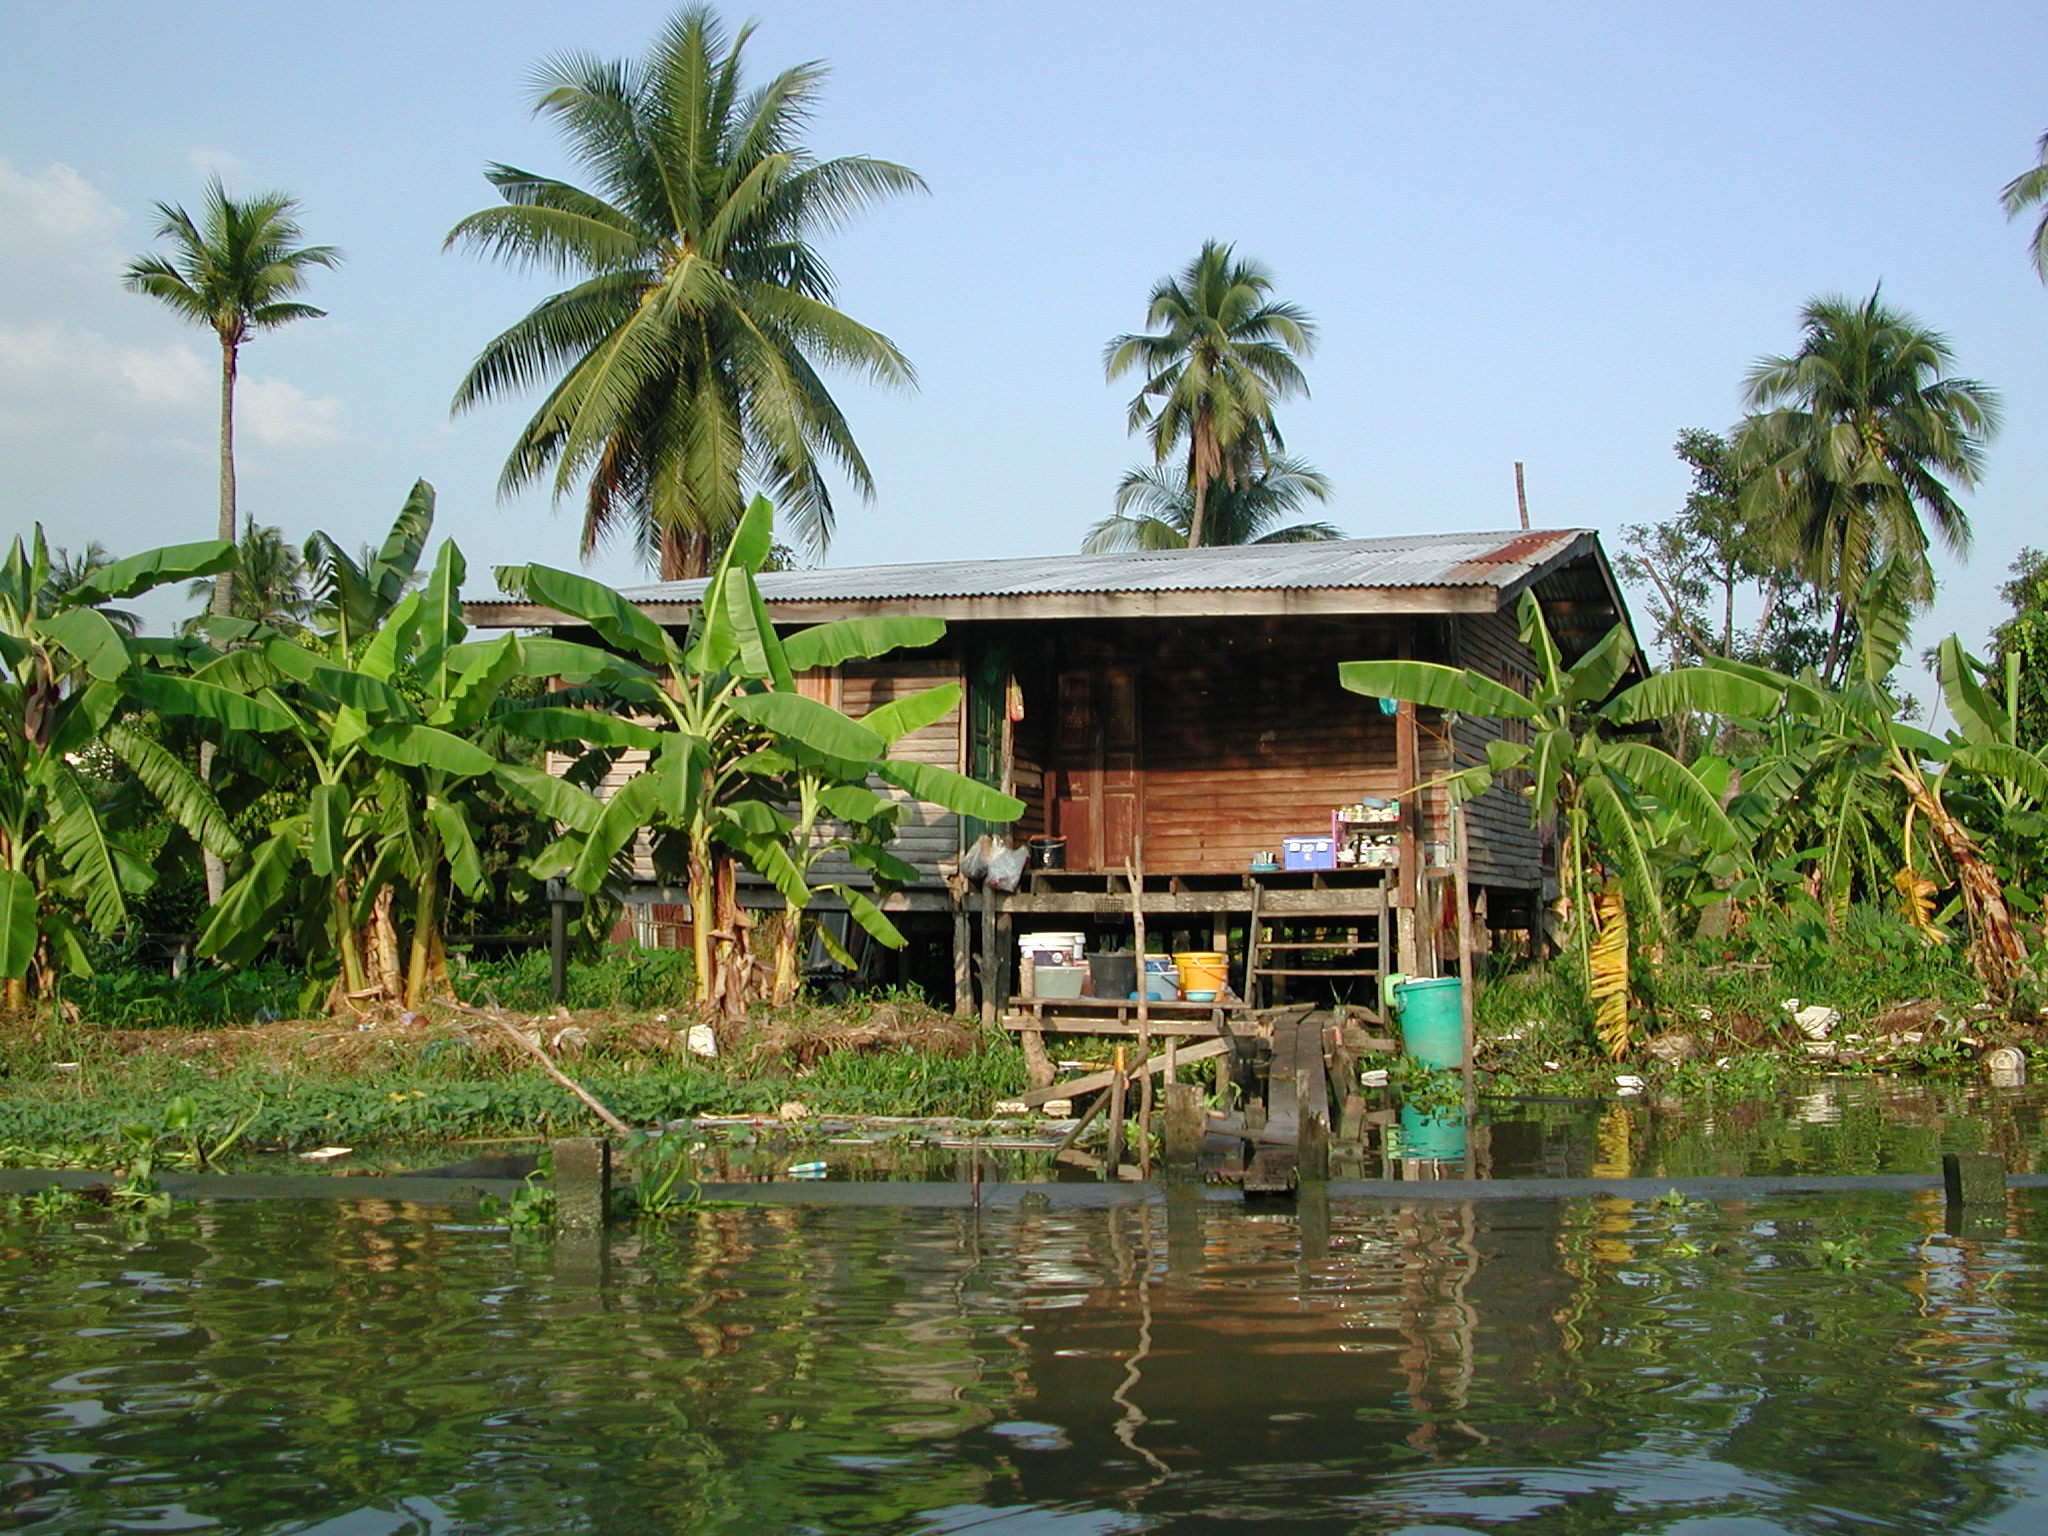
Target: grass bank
[
  {"x": 66, "y": 1089},
  {"x": 1720, "y": 1013}
]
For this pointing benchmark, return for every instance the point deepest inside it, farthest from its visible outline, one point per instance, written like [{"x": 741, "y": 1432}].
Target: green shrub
[{"x": 625, "y": 978}]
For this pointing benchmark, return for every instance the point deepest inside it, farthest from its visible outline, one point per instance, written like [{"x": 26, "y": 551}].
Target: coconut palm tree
[
  {"x": 1855, "y": 443},
  {"x": 1221, "y": 352},
  {"x": 269, "y": 584},
  {"x": 685, "y": 358},
  {"x": 69, "y": 572},
  {"x": 1154, "y": 509},
  {"x": 234, "y": 269},
  {"x": 2027, "y": 190}
]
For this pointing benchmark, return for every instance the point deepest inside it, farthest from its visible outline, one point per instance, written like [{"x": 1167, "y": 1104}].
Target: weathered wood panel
[
  {"x": 1504, "y": 848},
  {"x": 1246, "y": 737},
  {"x": 925, "y": 836}
]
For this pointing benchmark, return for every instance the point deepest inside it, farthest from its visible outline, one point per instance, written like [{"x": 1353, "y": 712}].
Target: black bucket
[
  {"x": 1049, "y": 853},
  {"x": 1114, "y": 974}
]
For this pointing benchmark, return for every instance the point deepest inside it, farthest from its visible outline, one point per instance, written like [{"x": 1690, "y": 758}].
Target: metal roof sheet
[{"x": 1411, "y": 560}]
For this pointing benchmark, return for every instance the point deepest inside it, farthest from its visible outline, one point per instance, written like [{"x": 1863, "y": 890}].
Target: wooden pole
[
  {"x": 963, "y": 961},
  {"x": 1521, "y": 495},
  {"x": 990, "y": 976},
  {"x": 1461, "y": 874},
  {"x": 1408, "y": 876},
  {"x": 1134, "y": 872},
  {"x": 1113, "y": 1154}
]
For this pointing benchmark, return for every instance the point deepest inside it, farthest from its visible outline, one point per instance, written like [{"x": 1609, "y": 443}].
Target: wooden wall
[
  {"x": 926, "y": 835},
  {"x": 1505, "y": 850},
  {"x": 1245, "y": 735}
]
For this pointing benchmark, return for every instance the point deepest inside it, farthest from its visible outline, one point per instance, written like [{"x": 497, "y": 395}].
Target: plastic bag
[
  {"x": 1006, "y": 868},
  {"x": 974, "y": 861}
]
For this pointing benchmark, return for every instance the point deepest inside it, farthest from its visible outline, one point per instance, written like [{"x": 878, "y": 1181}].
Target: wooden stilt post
[
  {"x": 1134, "y": 872},
  {"x": 963, "y": 962},
  {"x": 1461, "y": 874},
  {"x": 1113, "y": 1154},
  {"x": 990, "y": 979},
  {"x": 1408, "y": 876}
]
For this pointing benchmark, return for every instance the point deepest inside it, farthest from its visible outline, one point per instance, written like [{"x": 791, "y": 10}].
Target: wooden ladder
[{"x": 1267, "y": 956}]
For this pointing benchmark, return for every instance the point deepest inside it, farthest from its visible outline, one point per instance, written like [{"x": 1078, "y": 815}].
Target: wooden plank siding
[
  {"x": 925, "y": 836},
  {"x": 1504, "y": 846},
  {"x": 1245, "y": 736}
]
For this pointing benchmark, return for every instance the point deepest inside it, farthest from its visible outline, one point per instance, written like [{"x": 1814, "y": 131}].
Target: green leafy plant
[
  {"x": 531, "y": 1207},
  {"x": 1605, "y": 786},
  {"x": 402, "y": 725},
  {"x": 69, "y": 681},
  {"x": 734, "y": 743},
  {"x": 663, "y": 1184},
  {"x": 1851, "y": 1252}
]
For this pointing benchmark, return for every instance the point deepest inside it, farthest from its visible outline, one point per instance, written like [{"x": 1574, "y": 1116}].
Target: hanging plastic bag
[{"x": 1006, "y": 868}]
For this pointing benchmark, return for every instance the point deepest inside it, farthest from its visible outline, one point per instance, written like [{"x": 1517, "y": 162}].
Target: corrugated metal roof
[{"x": 1412, "y": 560}]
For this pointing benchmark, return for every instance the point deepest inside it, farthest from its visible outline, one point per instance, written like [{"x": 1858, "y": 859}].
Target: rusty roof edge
[
  {"x": 1587, "y": 543},
  {"x": 1507, "y": 577}
]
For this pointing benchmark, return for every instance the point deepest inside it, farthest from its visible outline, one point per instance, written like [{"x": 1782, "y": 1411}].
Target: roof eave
[{"x": 1258, "y": 602}]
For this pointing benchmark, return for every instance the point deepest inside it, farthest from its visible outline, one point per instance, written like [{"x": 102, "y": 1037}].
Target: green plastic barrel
[{"x": 1432, "y": 1019}]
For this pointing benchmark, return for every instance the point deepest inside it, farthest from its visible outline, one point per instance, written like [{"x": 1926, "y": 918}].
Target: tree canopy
[{"x": 684, "y": 362}]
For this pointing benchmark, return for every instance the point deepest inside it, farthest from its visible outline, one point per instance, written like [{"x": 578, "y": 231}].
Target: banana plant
[
  {"x": 1856, "y": 789},
  {"x": 69, "y": 686},
  {"x": 733, "y": 748},
  {"x": 395, "y": 715},
  {"x": 1605, "y": 785}
]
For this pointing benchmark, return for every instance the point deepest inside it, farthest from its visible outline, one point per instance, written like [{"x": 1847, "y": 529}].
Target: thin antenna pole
[{"x": 1521, "y": 494}]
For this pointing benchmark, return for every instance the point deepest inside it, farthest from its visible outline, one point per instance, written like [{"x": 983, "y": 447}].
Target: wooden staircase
[{"x": 1349, "y": 948}]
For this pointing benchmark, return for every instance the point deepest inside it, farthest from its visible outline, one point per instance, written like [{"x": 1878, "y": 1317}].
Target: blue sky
[{"x": 1549, "y": 233}]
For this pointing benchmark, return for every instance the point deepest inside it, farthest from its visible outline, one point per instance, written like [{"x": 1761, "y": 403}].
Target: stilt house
[{"x": 1176, "y": 716}]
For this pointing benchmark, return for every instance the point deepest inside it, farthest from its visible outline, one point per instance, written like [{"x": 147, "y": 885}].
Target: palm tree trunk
[
  {"x": 1835, "y": 641},
  {"x": 223, "y": 584},
  {"x": 1200, "y": 453},
  {"x": 684, "y": 554}
]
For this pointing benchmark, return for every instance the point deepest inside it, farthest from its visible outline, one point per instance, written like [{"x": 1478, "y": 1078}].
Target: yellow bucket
[{"x": 1203, "y": 974}]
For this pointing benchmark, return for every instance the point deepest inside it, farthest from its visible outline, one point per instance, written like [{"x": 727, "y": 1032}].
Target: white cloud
[
  {"x": 56, "y": 207},
  {"x": 217, "y": 162},
  {"x": 165, "y": 376},
  {"x": 57, "y": 378},
  {"x": 277, "y": 414}
]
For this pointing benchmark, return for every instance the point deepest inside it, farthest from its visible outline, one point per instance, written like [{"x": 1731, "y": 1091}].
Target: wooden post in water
[
  {"x": 1113, "y": 1154},
  {"x": 1182, "y": 1139},
  {"x": 583, "y": 1180}
]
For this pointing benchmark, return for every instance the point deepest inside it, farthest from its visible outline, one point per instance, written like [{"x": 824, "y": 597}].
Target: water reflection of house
[
  {"x": 1209, "y": 1339},
  {"x": 1187, "y": 701}
]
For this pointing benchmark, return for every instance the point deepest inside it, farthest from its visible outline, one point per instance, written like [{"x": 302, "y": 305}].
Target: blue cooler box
[{"x": 1308, "y": 853}]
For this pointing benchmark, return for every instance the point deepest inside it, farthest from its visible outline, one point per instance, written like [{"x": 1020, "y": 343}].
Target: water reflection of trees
[{"x": 1601, "y": 1366}]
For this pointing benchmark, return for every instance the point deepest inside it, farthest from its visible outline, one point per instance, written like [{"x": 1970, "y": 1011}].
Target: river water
[{"x": 350, "y": 1368}]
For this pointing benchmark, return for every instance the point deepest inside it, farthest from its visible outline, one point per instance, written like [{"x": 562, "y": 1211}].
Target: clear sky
[{"x": 1553, "y": 233}]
